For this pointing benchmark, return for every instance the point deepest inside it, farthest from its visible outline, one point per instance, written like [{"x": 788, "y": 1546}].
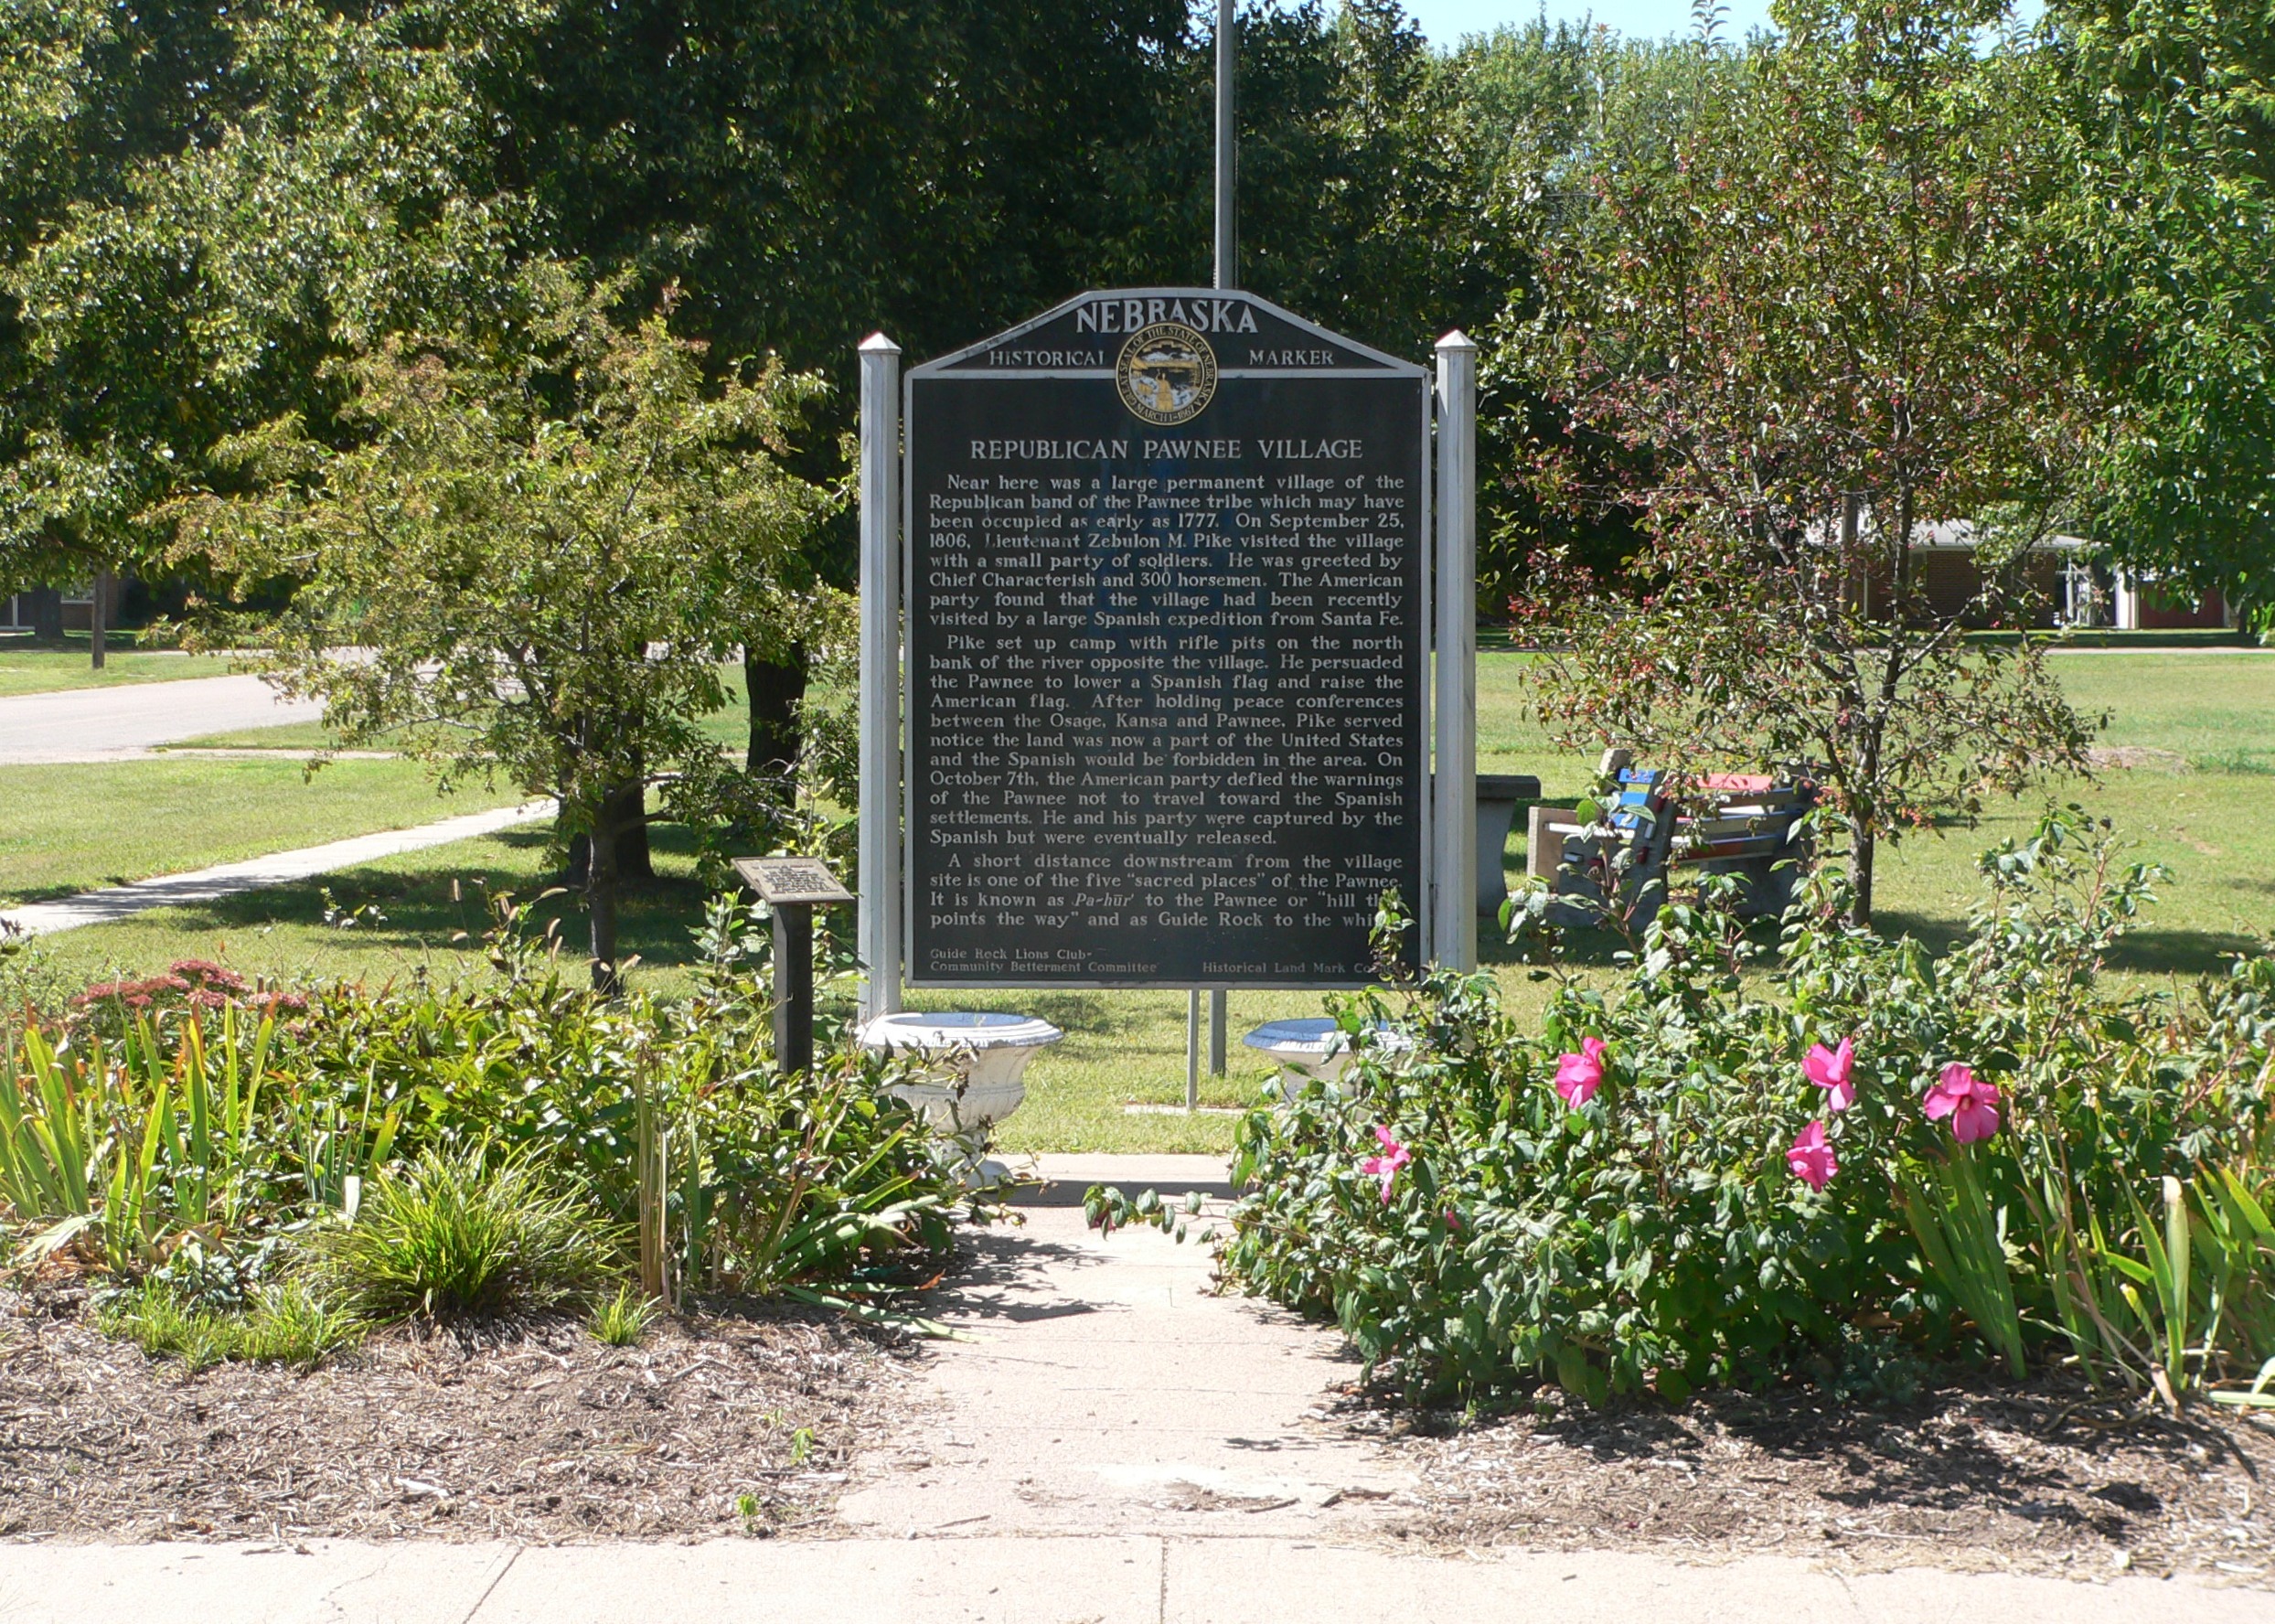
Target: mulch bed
[
  {"x": 1970, "y": 1475},
  {"x": 535, "y": 1432}
]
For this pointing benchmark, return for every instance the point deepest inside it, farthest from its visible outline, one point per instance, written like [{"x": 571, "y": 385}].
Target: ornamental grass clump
[
  {"x": 285, "y": 1323},
  {"x": 1714, "y": 1172},
  {"x": 457, "y": 1234}
]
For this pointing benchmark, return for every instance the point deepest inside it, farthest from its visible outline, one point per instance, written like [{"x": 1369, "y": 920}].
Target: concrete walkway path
[
  {"x": 94, "y": 724},
  {"x": 1106, "y": 1389},
  {"x": 225, "y": 880},
  {"x": 1113, "y": 1445},
  {"x": 1061, "y": 1579}
]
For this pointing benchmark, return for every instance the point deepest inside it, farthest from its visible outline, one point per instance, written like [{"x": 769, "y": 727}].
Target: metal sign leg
[{"x": 1193, "y": 1050}]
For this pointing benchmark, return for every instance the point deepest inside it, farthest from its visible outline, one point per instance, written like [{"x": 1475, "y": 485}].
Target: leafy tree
[
  {"x": 535, "y": 553},
  {"x": 809, "y": 171},
  {"x": 1532, "y": 103},
  {"x": 2176, "y": 103},
  {"x": 1812, "y": 302},
  {"x": 230, "y": 199}
]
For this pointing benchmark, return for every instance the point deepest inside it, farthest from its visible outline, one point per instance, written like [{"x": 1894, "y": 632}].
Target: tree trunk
[
  {"x": 626, "y": 810},
  {"x": 105, "y": 583},
  {"x": 599, "y": 901},
  {"x": 1862, "y": 848},
  {"x": 774, "y": 690}
]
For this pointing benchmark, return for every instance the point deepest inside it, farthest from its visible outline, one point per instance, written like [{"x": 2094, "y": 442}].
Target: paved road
[
  {"x": 93, "y": 725},
  {"x": 281, "y": 868}
]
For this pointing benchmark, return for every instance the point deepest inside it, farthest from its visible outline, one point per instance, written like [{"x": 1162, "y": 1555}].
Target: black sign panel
[{"x": 1167, "y": 657}]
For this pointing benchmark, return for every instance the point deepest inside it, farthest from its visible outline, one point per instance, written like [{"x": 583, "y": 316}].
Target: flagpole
[
  {"x": 1226, "y": 275},
  {"x": 1227, "y": 142}
]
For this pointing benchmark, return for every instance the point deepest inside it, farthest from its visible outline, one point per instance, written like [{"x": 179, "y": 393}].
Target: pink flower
[
  {"x": 1578, "y": 1077},
  {"x": 1829, "y": 1069},
  {"x": 1811, "y": 1159},
  {"x": 1385, "y": 1166},
  {"x": 1972, "y": 1105}
]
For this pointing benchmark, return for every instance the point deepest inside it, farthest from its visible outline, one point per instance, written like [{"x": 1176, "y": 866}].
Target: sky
[{"x": 1446, "y": 21}]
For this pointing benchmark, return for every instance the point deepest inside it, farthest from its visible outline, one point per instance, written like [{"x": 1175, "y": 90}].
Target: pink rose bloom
[
  {"x": 1578, "y": 1077},
  {"x": 1829, "y": 1069},
  {"x": 1385, "y": 1166},
  {"x": 1811, "y": 1159},
  {"x": 1972, "y": 1104}
]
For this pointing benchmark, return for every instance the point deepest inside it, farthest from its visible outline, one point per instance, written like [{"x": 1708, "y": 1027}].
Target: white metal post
[
  {"x": 880, "y": 939},
  {"x": 1454, "y": 904}
]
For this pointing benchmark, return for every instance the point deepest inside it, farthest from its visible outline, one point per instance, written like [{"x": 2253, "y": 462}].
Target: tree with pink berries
[{"x": 1817, "y": 308}]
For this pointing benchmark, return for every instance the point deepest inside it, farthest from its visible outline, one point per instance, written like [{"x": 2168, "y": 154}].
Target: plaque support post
[
  {"x": 1216, "y": 1031},
  {"x": 879, "y": 927},
  {"x": 794, "y": 986},
  {"x": 1454, "y": 783},
  {"x": 1193, "y": 1050}
]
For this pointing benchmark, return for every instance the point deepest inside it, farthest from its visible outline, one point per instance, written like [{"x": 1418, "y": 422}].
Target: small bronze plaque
[{"x": 792, "y": 880}]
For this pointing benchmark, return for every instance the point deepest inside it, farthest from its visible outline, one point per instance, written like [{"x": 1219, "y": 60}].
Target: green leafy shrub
[
  {"x": 1661, "y": 1188},
  {"x": 454, "y": 1234},
  {"x": 195, "y": 1137},
  {"x": 749, "y": 1181}
]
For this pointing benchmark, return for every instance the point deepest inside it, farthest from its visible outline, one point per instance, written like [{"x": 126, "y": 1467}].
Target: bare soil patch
[
  {"x": 1969, "y": 1476},
  {"x": 535, "y": 1432},
  {"x": 2136, "y": 757}
]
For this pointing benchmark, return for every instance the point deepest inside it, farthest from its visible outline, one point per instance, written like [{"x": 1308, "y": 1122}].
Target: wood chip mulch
[
  {"x": 537, "y": 1433},
  {"x": 2043, "y": 1478}
]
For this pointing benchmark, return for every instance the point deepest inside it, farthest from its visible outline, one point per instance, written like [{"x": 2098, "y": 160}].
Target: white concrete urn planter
[
  {"x": 1316, "y": 1046},
  {"x": 978, "y": 1060}
]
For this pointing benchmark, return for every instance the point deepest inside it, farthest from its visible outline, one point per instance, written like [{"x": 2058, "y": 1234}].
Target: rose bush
[{"x": 1711, "y": 1172}]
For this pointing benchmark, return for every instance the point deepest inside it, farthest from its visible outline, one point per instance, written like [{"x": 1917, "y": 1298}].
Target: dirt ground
[
  {"x": 748, "y": 1423},
  {"x": 539, "y": 1433},
  {"x": 1969, "y": 1476}
]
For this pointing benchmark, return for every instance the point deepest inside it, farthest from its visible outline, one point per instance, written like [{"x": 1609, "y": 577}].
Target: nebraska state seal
[{"x": 1167, "y": 373}]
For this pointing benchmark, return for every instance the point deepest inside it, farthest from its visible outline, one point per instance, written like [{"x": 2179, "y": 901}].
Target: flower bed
[
  {"x": 251, "y": 1173},
  {"x": 1709, "y": 1177}
]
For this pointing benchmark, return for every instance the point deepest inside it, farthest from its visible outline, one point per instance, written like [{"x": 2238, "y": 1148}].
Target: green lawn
[
  {"x": 70, "y": 827},
  {"x": 424, "y": 900},
  {"x": 2210, "y": 816},
  {"x": 52, "y": 671}
]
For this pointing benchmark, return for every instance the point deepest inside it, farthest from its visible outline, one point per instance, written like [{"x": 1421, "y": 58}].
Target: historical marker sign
[{"x": 1166, "y": 601}]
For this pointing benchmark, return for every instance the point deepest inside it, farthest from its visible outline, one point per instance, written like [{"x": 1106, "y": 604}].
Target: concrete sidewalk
[
  {"x": 1073, "y": 1580},
  {"x": 281, "y": 868},
  {"x": 95, "y": 725}
]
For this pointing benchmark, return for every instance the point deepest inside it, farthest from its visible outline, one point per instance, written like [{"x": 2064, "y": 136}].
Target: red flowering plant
[{"x": 186, "y": 985}]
